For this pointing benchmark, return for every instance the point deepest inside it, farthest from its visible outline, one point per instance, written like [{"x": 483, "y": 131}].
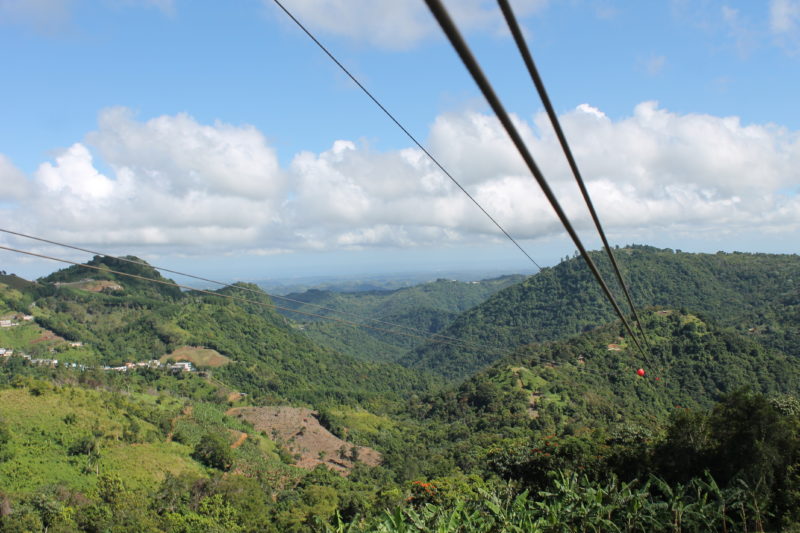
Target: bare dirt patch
[
  {"x": 235, "y": 396},
  {"x": 95, "y": 285},
  {"x": 240, "y": 438},
  {"x": 198, "y": 356},
  {"x": 46, "y": 336},
  {"x": 300, "y": 432}
]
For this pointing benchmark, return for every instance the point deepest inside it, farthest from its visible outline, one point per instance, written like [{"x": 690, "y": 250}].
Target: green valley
[
  {"x": 277, "y": 422},
  {"x": 415, "y": 312}
]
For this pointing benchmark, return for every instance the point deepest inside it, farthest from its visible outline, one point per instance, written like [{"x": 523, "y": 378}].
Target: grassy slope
[
  {"x": 197, "y": 356},
  {"x": 42, "y": 435}
]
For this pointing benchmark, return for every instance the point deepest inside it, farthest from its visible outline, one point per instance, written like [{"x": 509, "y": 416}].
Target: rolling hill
[
  {"x": 757, "y": 294},
  {"x": 137, "y": 320}
]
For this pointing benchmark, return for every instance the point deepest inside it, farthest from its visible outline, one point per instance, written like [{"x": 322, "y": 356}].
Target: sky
[{"x": 217, "y": 139}]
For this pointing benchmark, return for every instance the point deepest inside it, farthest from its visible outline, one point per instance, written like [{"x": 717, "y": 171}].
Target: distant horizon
[
  {"x": 343, "y": 271},
  {"x": 221, "y": 141}
]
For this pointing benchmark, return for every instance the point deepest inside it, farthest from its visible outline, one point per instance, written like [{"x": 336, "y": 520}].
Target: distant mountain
[
  {"x": 423, "y": 310},
  {"x": 756, "y": 294},
  {"x": 369, "y": 282}
]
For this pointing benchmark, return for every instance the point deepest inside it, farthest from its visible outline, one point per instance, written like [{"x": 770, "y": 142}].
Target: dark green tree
[{"x": 214, "y": 451}]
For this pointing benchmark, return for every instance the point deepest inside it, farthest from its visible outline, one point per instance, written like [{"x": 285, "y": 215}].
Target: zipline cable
[
  {"x": 457, "y": 41},
  {"x": 248, "y": 300},
  {"x": 527, "y": 57},
  {"x": 404, "y": 130},
  {"x": 222, "y": 284}
]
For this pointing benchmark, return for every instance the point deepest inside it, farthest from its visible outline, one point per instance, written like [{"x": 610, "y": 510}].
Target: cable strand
[
  {"x": 404, "y": 130},
  {"x": 527, "y": 57},
  {"x": 457, "y": 41}
]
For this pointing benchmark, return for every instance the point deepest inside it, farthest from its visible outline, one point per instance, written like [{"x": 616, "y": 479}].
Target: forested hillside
[
  {"x": 756, "y": 294},
  {"x": 135, "y": 320},
  {"x": 422, "y": 310},
  {"x": 274, "y": 433}
]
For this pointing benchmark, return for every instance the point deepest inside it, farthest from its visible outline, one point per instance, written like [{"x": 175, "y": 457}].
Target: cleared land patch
[
  {"x": 198, "y": 356},
  {"x": 298, "y": 429},
  {"x": 94, "y": 285}
]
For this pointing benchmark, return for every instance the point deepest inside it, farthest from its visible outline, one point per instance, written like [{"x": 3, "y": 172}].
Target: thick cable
[
  {"x": 223, "y": 284},
  {"x": 248, "y": 300},
  {"x": 450, "y": 29},
  {"x": 527, "y": 57},
  {"x": 404, "y": 130}
]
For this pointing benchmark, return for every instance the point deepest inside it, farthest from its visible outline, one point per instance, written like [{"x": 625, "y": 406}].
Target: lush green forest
[
  {"x": 419, "y": 311},
  {"x": 752, "y": 293},
  {"x": 558, "y": 432}
]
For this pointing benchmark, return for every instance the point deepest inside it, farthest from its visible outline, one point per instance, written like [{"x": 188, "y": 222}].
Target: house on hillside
[
  {"x": 153, "y": 363},
  {"x": 182, "y": 366}
]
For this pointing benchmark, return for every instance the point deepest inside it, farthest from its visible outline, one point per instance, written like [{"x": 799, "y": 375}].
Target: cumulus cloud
[
  {"x": 655, "y": 169},
  {"x": 175, "y": 182},
  {"x": 398, "y": 24},
  {"x": 218, "y": 159}
]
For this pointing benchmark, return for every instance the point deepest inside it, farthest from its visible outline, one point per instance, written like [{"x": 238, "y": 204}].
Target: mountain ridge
[{"x": 743, "y": 291}]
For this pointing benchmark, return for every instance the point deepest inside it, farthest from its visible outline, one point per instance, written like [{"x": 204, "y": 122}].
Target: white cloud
[
  {"x": 655, "y": 169},
  {"x": 177, "y": 152},
  {"x": 73, "y": 176},
  {"x": 398, "y": 24},
  {"x": 174, "y": 182},
  {"x": 188, "y": 186}
]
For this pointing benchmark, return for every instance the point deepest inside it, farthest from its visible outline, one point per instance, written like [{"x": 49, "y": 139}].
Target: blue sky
[{"x": 221, "y": 140}]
